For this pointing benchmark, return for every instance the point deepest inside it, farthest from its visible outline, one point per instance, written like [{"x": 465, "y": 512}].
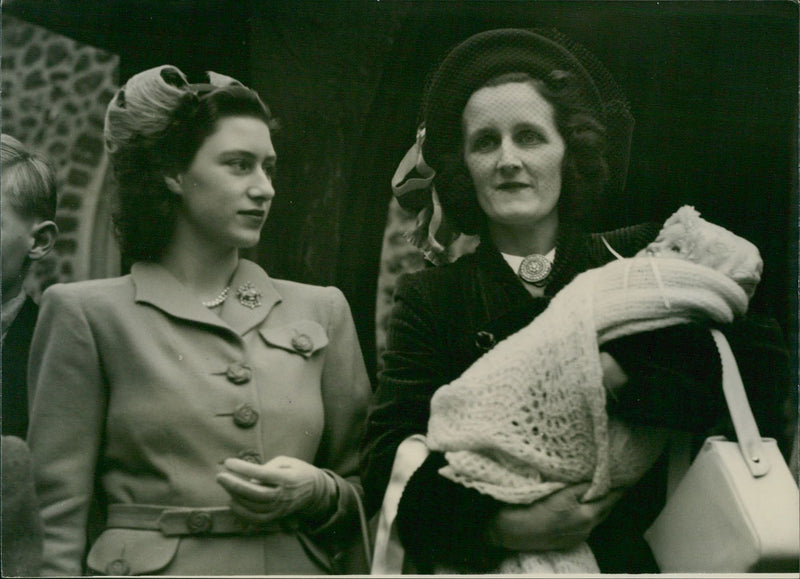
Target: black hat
[{"x": 485, "y": 55}]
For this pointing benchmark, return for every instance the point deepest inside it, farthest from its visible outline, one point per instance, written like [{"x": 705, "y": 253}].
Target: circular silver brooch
[{"x": 535, "y": 269}]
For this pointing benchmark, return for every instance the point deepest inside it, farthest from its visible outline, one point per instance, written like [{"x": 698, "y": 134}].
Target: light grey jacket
[{"x": 137, "y": 386}]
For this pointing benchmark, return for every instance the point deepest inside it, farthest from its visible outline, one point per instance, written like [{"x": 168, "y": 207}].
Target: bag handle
[
  {"x": 366, "y": 544},
  {"x": 747, "y": 435}
]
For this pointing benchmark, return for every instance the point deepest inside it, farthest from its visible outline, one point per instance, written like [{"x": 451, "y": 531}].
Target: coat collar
[
  {"x": 573, "y": 255},
  {"x": 155, "y": 285},
  {"x": 506, "y": 299}
]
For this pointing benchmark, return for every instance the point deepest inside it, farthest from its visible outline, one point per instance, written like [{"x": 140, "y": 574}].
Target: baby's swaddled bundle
[{"x": 528, "y": 418}]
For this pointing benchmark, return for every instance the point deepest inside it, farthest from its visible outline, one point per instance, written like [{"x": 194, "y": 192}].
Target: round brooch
[{"x": 535, "y": 269}]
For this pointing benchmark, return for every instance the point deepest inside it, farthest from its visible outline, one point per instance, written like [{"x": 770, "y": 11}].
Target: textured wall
[{"x": 55, "y": 92}]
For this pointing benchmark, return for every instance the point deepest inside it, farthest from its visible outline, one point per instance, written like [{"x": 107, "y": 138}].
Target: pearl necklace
[{"x": 217, "y": 301}]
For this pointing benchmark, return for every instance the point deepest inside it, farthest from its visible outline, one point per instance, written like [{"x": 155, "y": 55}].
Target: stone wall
[{"x": 55, "y": 92}]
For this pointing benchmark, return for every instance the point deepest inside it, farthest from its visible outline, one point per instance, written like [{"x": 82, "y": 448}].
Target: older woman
[
  {"x": 211, "y": 411},
  {"x": 521, "y": 138}
]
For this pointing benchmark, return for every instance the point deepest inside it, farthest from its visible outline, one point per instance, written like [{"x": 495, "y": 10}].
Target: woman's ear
[
  {"x": 174, "y": 183},
  {"x": 44, "y": 236}
]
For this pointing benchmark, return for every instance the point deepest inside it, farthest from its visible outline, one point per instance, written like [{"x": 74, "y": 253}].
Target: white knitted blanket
[{"x": 529, "y": 418}]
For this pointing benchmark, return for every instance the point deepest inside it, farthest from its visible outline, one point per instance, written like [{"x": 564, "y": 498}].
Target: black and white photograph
[{"x": 399, "y": 287}]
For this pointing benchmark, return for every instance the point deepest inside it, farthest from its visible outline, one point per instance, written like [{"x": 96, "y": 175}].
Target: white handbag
[{"x": 737, "y": 508}]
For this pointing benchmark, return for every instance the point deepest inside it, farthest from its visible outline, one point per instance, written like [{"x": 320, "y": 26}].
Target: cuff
[
  {"x": 343, "y": 520},
  {"x": 674, "y": 377},
  {"x": 440, "y": 522}
]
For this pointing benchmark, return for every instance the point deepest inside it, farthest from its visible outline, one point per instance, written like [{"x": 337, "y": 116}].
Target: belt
[{"x": 175, "y": 521}]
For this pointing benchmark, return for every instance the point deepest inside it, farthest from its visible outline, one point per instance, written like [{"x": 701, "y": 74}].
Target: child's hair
[{"x": 28, "y": 180}]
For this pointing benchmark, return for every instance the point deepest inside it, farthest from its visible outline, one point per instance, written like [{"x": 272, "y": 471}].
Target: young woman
[{"x": 210, "y": 412}]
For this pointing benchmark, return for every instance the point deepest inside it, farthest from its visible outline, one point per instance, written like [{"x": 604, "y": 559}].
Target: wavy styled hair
[
  {"x": 154, "y": 129},
  {"x": 585, "y": 169}
]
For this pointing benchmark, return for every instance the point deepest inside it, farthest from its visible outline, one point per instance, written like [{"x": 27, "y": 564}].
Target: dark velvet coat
[
  {"x": 16, "y": 346},
  {"x": 444, "y": 318}
]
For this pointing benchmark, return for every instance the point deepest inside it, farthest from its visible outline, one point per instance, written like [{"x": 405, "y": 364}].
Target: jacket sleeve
[
  {"x": 68, "y": 413},
  {"x": 345, "y": 391},
  {"x": 441, "y": 522},
  {"x": 433, "y": 510},
  {"x": 675, "y": 376},
  {"x": 412, "y": 370},
  {"x": 21, "y": 542}
]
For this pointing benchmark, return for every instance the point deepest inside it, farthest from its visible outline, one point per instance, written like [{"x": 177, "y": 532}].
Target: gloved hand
[{"x": 282, "y": 487}]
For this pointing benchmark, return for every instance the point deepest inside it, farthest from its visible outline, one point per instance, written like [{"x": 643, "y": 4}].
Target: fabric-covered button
[
  {"x": 302, "y": 343},
  {"x": 245, "y": 416},
  {"x": 199, "y": 522},
  {"x": 251, "y": 455},
  {"x": 239, "y": 373},
  {"x": 118, "y": 567},
  {"x": 485, "y": 340}
]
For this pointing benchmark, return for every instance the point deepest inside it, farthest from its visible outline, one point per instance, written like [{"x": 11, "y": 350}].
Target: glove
[{"x": 283, "y": 487}]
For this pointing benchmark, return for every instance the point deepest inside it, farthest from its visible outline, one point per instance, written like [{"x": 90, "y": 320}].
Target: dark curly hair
[
  {"x": 584, "y": 170},
  {"x": 145, "y": 211}
]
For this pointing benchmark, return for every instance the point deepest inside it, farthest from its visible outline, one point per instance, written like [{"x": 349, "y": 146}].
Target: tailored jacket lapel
[
  {"x": 234, "y": 311},
  {"x": 158, "y": 287},
  {"x": 508, "y": 305},
  {"x": 502, "y": 290}
]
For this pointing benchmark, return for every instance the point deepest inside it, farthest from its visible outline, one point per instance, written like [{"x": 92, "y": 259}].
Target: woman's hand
[
  {"x": 284, "y": 486},
  {"x": 614, "y": 377},
  {"x": 559, "y": 521}
]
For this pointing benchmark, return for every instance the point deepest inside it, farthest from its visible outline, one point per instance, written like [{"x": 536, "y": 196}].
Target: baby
[
  {"x": 686, "y": 235},
  {"x": 528, "y": 418}
]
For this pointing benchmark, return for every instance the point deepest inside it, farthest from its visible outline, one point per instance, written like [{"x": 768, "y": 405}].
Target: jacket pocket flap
[
  {"x": 131, "y": 552},
  {"x": 304, "y": 337}
]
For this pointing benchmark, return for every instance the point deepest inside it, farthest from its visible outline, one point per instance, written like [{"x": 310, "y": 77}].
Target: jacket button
[
  {"x": 199, "y": 522},
  {"x": 485, "y": 340},
  {"x": 302, "y": 343},
  {"x": 239, "y": 373},
  {"x": 245, "y": 416},
  {"x": 251, "y": 455},
  {"x": 118, "y": 567}
]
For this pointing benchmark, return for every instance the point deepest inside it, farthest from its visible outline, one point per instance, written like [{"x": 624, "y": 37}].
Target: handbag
[{"x": 737, "y": 508}]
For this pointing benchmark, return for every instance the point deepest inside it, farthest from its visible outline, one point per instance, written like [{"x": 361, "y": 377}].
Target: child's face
[
  {"x": 16, "y": 240},
  {"x": 672, "y": 241}
]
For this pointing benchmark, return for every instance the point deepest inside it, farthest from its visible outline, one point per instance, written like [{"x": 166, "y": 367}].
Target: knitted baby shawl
[{"x": 529, "y": 418}]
